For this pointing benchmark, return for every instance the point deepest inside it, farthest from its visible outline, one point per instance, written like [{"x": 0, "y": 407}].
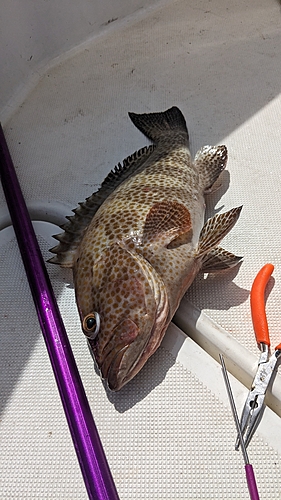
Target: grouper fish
[{"x": 136, "y": 245}]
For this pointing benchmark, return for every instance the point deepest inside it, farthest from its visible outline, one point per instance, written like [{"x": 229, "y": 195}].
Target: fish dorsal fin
[
  {"x": 219, "y": 259},
  {"x": 74, "y": 229},
  {"x": 210, "y": 161},
  {"x": 167, "y": 222},
  {"x": 216, "y": 229},
  {"x": 129, "y": 166}
]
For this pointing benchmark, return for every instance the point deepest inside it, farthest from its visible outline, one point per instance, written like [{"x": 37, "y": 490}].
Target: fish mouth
[
  {"x": 115, "y": 380},
  {"x": 120, "y": 350},
  {"x": 123, "y": 359},
  {"x": 109, "y": 369},
  {"x": 117, "y": 369},
  {"x": 125, "y": 364},
  {"x": 111, "y": 365}
]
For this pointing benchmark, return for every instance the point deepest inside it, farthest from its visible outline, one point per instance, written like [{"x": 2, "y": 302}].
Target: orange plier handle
[{"x": 258, "y": 305}]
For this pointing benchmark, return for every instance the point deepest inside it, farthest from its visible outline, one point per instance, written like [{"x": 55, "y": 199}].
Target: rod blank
[{"x": 96, "y": 473}]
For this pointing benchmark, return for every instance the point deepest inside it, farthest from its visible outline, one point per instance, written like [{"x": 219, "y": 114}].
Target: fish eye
[{"x": 91, "y": 325}]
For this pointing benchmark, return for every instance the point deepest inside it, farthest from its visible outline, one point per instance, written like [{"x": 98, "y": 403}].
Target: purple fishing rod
[{"x": 95, "y": 470}]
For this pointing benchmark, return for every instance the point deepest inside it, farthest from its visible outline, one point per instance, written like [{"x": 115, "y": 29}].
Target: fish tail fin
[{"x": 157, "y": 125}]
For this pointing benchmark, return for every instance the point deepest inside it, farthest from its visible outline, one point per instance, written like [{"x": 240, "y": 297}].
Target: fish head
[{"x": 124, "y": 311}]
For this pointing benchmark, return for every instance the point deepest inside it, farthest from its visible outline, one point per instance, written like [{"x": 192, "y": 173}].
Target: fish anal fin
[
  {"x": 167, "y": 224},
  {"x": 215, "y": 229},
  {"x": 210, "y": 161},
  {"x": 219, "y": 259}
]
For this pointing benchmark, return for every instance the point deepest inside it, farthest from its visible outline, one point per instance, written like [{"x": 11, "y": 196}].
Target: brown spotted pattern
[{"x": 139, "y": 253}]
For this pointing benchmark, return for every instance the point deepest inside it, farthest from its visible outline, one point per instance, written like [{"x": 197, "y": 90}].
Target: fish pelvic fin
[
  {"x": 210, "y": 161},
  {"x": 157, "y": 125},
  {"x": 219, "y": 259},
  {"x": 215, "y": 229},
  {"x": 77, "y": 224}
]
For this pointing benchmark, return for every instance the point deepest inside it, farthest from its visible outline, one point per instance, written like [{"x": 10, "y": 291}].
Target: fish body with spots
[{"x": 137, "y": 244}]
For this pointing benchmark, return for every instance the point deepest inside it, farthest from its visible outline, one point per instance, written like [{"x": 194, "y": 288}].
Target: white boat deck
[{"x": 169, "y": 434}]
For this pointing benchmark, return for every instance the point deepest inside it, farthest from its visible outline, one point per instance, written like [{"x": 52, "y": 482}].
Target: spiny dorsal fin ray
[
  {"x": 219, "y": 259},
  {"x": 74, "y": 229},
  {"x": 129, "y": 166},
  {"x": 210, "y": 161},
  {"x": 165, "y": 222},
  {"x": 215, "y": 229},
  {"x": 157, "y": 125}
]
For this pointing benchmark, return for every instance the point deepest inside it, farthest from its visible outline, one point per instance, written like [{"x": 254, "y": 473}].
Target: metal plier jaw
[{"x": 254, "y": 405}]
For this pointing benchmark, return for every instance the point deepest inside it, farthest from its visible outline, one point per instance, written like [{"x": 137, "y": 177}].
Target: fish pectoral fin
[
  {"x": 215, "y": 229},
  {"x": 167, "y": 222},
  {"x": 210, "y": 161},
  {"x": 219, "y": 259}
]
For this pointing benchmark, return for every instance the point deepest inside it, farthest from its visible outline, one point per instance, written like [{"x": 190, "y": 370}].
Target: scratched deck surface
[{"x": 169, "y": 433}]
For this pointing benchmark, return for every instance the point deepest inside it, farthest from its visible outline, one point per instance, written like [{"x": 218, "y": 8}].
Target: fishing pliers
[{"x": 254, "y": 405}]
